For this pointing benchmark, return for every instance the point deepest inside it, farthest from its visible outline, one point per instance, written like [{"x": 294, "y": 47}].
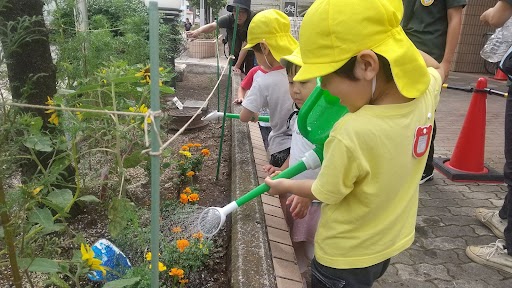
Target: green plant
[{"x": 189, "y": 161}]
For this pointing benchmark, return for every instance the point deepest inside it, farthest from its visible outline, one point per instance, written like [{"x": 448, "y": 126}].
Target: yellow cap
[
  {"x": 294, "y": 58},
  {"x": 333, "y": 31},
  {"x": 272, "y": 27}
]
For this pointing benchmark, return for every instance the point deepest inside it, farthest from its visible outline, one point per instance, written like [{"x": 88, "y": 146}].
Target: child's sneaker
[
  {"x": 491, "y": 219},
  {"x": 426, "y": 177},
  {"x": 492, "y": 255}
]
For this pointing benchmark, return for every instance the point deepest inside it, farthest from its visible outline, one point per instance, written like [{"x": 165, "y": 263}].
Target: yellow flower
[
  {"x": 50, "y": 102},
  {"x": 177, "y": 272},
  {"x": 161, "y": 266},
  {"x": 182, "y": 244},
  {"x": 205, "y": 152},
  {"x": 54, "y": 119},
  {"x": 88, "y": 258},
  {"x": 193, "y": 197},
  {"x": 183, "y": 198},
  {"x": 37, "y": 190},
  {"x": 148, "y": 256},
  {"x": 191, "y": 173},
  {"x": 183, "y": 281},
  {"x": 187, "y": 190},
  {"x": 186, "y": 154},
  {"x": 176, "y": 229},
  {"x": 198, "y": 235},
  {"x": 184, "y": 148}
]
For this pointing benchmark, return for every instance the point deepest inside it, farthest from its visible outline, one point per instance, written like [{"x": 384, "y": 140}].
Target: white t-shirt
[
  {"x": 299, "y": 147},
  {"x": 271, "y": 90},
  {"x": 246, "y": 84}
]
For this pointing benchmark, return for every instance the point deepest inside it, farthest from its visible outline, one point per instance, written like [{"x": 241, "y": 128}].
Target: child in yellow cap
[
  {"x": 269, "y": 36},
  {"x": 375, "y": 155}
]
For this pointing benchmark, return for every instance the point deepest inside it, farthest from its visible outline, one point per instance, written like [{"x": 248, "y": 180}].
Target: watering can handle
[{"x": 237, "y": 116}]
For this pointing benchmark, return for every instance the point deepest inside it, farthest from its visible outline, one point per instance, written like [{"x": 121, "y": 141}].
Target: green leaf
[
  {"x": 87, "y": 88},
  {"x": 167, "y": 89},
  {"x": 1, "y": 232},
  {"x": 127, "y": 79},
  {"x": 55, "y": 207},
  {"x": 166, "y": 165},
  {"x": 88, "y": 198},
  {"x": 41, "y": 216},
  {"x": 35, "y": 125},
  {"x": 120, "y": 212},
  {"x": 134, "y": 159},
  {"x": 61, "y": 197},
  {"x": 121, "y": 283},
  {"x": 39, "y": 143},
  {"x": 57, "y": 281},
  {"x": 42, "y": 265}
]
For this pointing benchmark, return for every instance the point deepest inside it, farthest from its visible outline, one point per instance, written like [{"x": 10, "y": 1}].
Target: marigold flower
[
  {"x": 187, "y": 190},
  {"x": 177, "y": 272},
  {"x": 176, "y": 229},
  {"x": 184, "y": 148},
  {"x": 183, "y": 198},
  {"x": 198, "y": 235},
  {"x": 191, "y": 173},
  {"x": 182, "y": 244},
  {"x": 186, "y": 154},
  {"x": 161, "y": 266},
  {"x": 37, "y": 190},
  {"x": 193, "y": 197},
  {"x": 205, "y": 152},
  {"x": 183, "y": 281},
  {"x": 190, "y": 145},
  {"x": 197, "y": 145},
  {"x": 88, "y": 258}
]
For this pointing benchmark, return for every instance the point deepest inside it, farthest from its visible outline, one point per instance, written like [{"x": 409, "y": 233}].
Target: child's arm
[
  {"x": 431, "y": 62},
  {"x": 247, "y": 115},
  {"x": 452, "y": 37},
  {"x": 300, "y": 188},
  {"x": 299, "y": 206},
  {"x": 241, "y": 95}
]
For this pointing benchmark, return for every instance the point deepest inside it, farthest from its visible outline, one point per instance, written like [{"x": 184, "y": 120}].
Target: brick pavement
[{"x": 446, "y": 222}]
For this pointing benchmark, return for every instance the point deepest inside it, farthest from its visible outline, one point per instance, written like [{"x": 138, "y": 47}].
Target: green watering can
[
  {"x": 316, "y": 118},
  {"x": 214, "y": 115}
]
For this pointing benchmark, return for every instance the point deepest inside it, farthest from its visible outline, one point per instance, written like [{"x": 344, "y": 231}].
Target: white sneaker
[
  {"x": 491, "y": 219},
  {"x": 492, "y": 255}
]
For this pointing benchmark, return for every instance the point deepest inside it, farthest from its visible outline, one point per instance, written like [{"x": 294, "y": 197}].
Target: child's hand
[
  {"x": 299, "y": 206},
  {"x": 277, "y": 186},
  {"x": 238, "y": 101},
  {"x": 270, "y": 169}
]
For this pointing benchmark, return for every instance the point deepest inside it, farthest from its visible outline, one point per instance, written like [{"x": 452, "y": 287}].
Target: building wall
[{"x": 467, "y": 56}]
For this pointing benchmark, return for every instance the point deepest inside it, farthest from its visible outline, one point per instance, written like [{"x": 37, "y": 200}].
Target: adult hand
[
  {"x": 236, "y": 69},
  {"x": 299, "y": 206},
  {"x": 192, "y": 34}
]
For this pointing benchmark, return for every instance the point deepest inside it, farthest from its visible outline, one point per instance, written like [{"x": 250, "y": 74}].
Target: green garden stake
[
  {"x": 232, "y": 50},
  {"x": 215, "y": 115},
  {"x": 316, "y": 118},
  {"x": 217, "y": 54}
]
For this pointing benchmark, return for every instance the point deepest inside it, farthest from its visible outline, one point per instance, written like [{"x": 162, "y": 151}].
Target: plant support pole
[
  {"x": 155, "y": 145},
  {"x": 217, "y": 53},
  {"x": 230, "y": 61}
]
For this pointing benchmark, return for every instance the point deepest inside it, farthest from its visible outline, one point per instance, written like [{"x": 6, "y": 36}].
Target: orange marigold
[
  {"x": 197, "y": 145},
  {"x": 198, "y": 235},
  {"x": 184, "y": 148},
  {"x": 187, "y": 190},
  {"x": 193, "y": 197},
  {"x": 191, "y": 173},
  {"x": 183, "y": 281},
  {"x": 182, "y": 244},
  {"x": 183, "y": 198},
  {"x": 205, "y": 152},
  {"x": 176, "y": 229},
  {"x": 177, "y": 272},
  {"x": 190, "y": 145}
]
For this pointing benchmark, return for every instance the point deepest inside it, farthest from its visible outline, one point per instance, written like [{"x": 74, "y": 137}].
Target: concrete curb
[
  {"x": 201, "y": 67},
  {"x": 251, "y": 260}
]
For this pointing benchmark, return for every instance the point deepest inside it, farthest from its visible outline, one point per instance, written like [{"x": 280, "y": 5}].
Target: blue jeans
[
  {"x": 506, "y": 209},
  {"x": 327, "y": 277}
]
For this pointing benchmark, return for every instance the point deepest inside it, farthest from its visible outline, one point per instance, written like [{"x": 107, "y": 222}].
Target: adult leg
[{"x": 506, "y": 209}]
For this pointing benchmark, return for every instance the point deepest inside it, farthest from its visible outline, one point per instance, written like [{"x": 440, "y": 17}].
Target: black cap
[{"x": 246, "y": 4}]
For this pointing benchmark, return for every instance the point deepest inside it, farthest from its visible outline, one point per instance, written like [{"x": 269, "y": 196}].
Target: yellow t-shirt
[{"x": 369, "y": 182}]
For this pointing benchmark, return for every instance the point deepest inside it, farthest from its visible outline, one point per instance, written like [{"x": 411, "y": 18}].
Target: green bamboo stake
[
  {"x": 232, "y": 50},
  {"x": 217, "y": 53},
  {"x": 155, "y": 145}
]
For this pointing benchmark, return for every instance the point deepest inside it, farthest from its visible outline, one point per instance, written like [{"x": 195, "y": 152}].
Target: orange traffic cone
[
  {"x": 499, "y": 75},
  {"x": 467, "y": 162}
]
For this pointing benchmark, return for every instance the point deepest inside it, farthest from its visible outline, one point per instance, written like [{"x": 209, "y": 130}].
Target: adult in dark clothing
[
  {"x": 244, "y": 60},
  {"x": 188, "y": 25},
  {"x": 499, "y": 254},
  {"x": 434, "y": 27}
]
